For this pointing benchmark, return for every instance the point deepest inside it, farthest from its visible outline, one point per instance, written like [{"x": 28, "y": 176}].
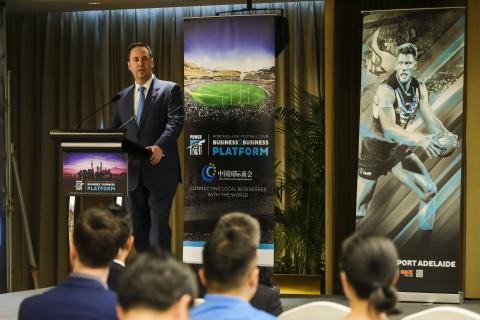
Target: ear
[
  {"x": 120, "y": 312},
  {"x": 201, "y": 275},
  {"x": 395, "y": 278},
  {"x": 181, "y": 307},
  {"x": 129, "y": 243},
  {"x": 253, "y": 277},
  {"x": 344, "y": 281},
  {"x": 128, "y": 65},
  {"x": 73, "y": 253}
]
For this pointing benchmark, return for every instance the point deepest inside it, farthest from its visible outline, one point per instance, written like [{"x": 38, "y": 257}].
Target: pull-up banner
[
  {"x": 410, "y": 148},
  {"x": 229, "y": 73}
]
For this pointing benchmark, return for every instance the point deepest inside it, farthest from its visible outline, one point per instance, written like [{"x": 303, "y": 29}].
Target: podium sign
[{"x": 95, "y": 173}]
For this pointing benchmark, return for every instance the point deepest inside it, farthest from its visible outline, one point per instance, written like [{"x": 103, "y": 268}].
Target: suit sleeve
[
  {"x": 175, "y": 115},
  {"x": 275, "y": 307},
  {"x": 24, "y": 312},
  {"x": 115, "y": 120}
]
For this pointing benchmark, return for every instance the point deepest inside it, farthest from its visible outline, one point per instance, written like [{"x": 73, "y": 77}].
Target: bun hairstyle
[{"x": 370, "y": 264}]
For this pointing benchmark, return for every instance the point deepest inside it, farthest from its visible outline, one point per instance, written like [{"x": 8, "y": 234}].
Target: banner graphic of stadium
[
  {"x": 411, "y": 142},
  {"x": 229, "y": 86}
]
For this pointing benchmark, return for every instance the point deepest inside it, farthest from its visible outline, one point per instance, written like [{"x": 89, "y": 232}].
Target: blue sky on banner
[{"x": 244, "y": 43}]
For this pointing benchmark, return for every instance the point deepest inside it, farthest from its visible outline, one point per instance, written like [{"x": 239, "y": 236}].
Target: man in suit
[
  {"x": 157, "y": 108},
  {"x": 267, "y": 296},
  {"x": 156, "y": 286},
  {"x": 84, "y": 294},
  {"x": 125, "y": 245},
  {"x": 230, "y": 274}
]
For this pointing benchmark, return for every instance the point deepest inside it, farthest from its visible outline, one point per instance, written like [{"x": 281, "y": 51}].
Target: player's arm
[
  {"x": 385, "y": 98},
  {"x": 434, "y": 125}
]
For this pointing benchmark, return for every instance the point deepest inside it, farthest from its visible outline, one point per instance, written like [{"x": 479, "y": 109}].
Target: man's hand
[{"x": 157, "y": 154}]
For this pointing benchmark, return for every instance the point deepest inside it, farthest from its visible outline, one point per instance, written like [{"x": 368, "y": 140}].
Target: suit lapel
[{"x": 151, "y": 96}]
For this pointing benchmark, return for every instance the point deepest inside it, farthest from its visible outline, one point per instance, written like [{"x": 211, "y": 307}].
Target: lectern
[{"x": 95, "y": 164}]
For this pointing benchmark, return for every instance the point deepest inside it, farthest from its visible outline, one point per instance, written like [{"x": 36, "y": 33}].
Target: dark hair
[
  {"x": 227, "y": 259},
  {"x": 96, "y": 236},
  {"x": 406, "y": 48},
  {"x": 155, "y": 280},
  {"x": 138, "y": 44},
  {"x": 370, "y": 264},
  {"x": 241, "y": 222},
  {"x": 125, "y": 219}
]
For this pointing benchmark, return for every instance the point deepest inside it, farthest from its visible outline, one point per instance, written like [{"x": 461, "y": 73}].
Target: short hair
[
  {"x": 139, "y": 44},
  {"x": 242, "y": 222},
  {"x": 125, "y": 219},
  {"x": 155, "y": 280},
  {"x": 407, "y": 48},
  {"x": 370, "y": 264},
  {"x": 96, "y": 236},
  {"x": 227, "y": 259}
]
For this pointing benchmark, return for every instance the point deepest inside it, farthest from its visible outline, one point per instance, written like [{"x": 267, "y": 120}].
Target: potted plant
[{"x": 299, "y": 208}]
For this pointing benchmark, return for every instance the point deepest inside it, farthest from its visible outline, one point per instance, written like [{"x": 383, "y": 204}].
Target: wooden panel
[{"x": 472, "y": 163}]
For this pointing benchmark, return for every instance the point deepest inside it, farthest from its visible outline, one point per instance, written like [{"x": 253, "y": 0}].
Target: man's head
[
  {"x": 229, "y": 264},
  {"x": 95, "y": 238},
  {"x": 125, "y": 243},
  {"x": 241, "y": 222},
  {"x": 140, "y": 62},
  {"x": 156, "y": 284},
  {"x": 406, "y": 62}
]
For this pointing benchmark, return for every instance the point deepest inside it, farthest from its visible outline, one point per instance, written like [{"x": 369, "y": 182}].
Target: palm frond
[{"x": 300, "y": 222}]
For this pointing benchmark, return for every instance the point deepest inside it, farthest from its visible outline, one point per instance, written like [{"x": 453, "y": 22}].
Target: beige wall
[
  {"x": 328, "y": 65},
  {"x": 472, "y": 163}
]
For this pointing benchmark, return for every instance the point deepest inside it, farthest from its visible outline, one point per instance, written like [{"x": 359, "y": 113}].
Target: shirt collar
[
  {"x": 120, "y": 262},
  {"x": 146, "y": 85},
  {"x": 224, "y": 299},
  {"x": 87, "y": 276}
]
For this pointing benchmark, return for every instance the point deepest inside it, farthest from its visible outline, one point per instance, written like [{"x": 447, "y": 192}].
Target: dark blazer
[
  {"x": 116, "y": 270},
  {"x": 160, "y": 124},
  {"x": 75, "y": 298},
  {"x": 267, "y": 299}
]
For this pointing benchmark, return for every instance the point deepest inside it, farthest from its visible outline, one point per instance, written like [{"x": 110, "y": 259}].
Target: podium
[{"x": 95, "y": 164}]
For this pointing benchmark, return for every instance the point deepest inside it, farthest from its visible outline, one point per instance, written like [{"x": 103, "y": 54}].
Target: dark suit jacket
[
  {"x": 160, "y": 124},
  {"x": 75, "y": 298},
  {"x": 267, "y": 299},
  {"x": 114, "y": 274}
]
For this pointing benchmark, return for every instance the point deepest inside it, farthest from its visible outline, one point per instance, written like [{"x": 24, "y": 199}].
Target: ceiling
[{"x": 81, "y": 5}]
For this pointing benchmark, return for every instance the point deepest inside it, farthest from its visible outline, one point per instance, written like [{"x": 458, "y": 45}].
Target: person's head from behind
[
  {"x": 95, "y": 239},
  {"x": 406, "y": 62},
  {"x": 242, "y": 222},
  {"x": 369, "y": 272},
  {"x": 229, "y": 264},
  {"x": 156, "y": 286},
  {"x": 125, "y": 243}
]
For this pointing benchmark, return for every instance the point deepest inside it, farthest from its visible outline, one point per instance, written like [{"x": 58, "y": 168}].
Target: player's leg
[
  {"x": 365, "y": 190},
  {"x": 413, "y": 173}
]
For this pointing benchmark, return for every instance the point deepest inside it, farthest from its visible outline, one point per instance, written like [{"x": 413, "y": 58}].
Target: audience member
[
  {"x": 267, "y": 297},
  {"x": 369, "y": 273},
  {"x": 231, "y": 276},
  {"x": 125, "y": 244},
  {"x": 84, "y": 294},
  {"x": 156, "y": 286}
]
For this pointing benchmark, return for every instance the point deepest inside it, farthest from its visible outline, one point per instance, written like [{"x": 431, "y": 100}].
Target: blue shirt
[{"x": 223, "y": 307}]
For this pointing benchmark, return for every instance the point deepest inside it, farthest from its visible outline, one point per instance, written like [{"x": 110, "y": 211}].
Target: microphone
[
  {"x": 114, "y": 99},
  {"x": 133, "y": 117}
]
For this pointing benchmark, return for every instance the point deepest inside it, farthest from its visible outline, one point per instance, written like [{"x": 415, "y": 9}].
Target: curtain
[{"x": 64, "y": 65}]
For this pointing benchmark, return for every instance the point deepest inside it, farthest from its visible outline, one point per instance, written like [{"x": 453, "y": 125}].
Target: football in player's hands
[{"x": 445, "y": 143}]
